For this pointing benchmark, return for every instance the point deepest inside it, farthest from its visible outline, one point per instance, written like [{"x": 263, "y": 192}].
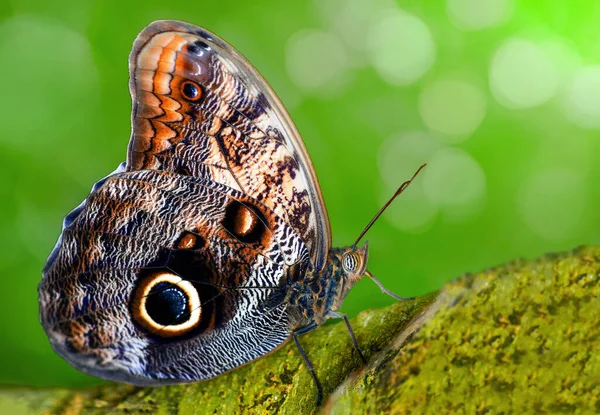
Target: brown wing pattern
[
  {"x": 201, "y": 109},
  {"x": 139, "y": 226}
]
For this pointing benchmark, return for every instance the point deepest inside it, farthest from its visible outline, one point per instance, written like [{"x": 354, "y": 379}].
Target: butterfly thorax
[{"x": 320, "y": 294}]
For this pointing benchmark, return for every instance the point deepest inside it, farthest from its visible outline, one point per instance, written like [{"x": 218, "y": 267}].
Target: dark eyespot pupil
[
  {"x": 190, "y": 91},
  {"x": 193, "y": 49},
  {"x": 201, "y": 44},
  {"x": 197, "y": 47},
  {"x": 167, "y": 304}
]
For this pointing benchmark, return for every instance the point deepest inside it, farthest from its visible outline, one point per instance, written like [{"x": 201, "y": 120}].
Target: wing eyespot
[
  {"x": 166, "y": 305},
  {"x": 244, "y": 223},
  {"x": 190, "y": 240},
  {"x": 191, "y": 91},
  {"x": 197, "y": 47}
]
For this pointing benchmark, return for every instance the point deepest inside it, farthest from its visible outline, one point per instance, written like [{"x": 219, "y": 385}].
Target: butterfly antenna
[{"x": 402, "y": 187}]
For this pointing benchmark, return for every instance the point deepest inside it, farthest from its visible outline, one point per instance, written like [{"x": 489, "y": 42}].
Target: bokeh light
[
  {"x": 454, "y": 179},
  {"x": 346, "y": 18},
  {"x": 401, "y": 47},
  {"x": 399, "y": 157},
  {"x": 582, "y": 100},
  {"x": 316, "y": 61},
  {"x": 50, "y": 85},
  {"x": 539, "y": 203},
  {"x": 522, "y": 75},
  {"x": 478, "y": 14},
  {"x": 453, "y": 108}
]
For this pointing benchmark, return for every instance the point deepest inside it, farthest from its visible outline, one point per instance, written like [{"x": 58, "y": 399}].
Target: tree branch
[{"x": 518, "y": 338}]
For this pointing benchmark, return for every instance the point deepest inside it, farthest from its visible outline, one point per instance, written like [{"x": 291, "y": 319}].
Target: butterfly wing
[
  {"x": 177, "y": 267},
  {"x": 200, "y": 108},
  {"x": 144, "y": 238}
]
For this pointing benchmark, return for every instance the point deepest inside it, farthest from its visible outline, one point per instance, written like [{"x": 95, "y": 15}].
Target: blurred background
[{"x": 501, "y": 98}]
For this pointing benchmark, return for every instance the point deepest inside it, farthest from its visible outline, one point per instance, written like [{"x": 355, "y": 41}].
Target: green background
[{"x": 502, "y": 99}]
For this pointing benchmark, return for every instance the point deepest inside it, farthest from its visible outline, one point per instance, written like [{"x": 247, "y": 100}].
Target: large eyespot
[
  {"x": 351, "y": 262},
  {"x": 191, "y": 91},
  {"x": 166, "y": 305}
]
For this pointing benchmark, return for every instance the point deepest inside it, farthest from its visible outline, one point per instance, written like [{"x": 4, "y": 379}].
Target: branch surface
[
  {"x": 517, "y": 338},
  {"x": 520, "y": 338}
]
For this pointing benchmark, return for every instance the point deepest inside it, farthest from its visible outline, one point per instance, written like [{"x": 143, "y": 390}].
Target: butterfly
[{"x": 210, "y": 246}]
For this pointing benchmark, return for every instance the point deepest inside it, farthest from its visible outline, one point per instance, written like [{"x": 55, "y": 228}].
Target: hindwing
[{"x": 231, "y": 250}]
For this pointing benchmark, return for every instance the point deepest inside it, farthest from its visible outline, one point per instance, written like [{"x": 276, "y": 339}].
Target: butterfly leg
[
  {"x": 385, "y": 290},
  {"x": 307, "y": 361},
  {"x": 335, "y": 314}
]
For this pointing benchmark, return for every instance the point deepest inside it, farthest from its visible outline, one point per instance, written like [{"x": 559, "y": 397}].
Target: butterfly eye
[
  {"x": 350, "y": 262},
  {"x": 191, "y": 91},
  {"x": 166, "y": 305}
]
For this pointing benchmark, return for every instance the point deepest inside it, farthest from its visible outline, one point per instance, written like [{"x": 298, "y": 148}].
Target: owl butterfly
[{"x": 210, "y": 246}]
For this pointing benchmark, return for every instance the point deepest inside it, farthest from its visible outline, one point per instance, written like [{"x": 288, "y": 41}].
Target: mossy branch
[{"x": 518, "y": 338}]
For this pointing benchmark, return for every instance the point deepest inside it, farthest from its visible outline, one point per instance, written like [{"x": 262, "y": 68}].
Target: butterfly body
[
  {"x": 318, "y": 296},
  {"x": 210, "y": 246}
]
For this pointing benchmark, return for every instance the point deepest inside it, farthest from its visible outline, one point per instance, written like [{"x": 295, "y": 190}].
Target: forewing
[
  {"x": 236, "y": 253},
  {"x": 201, "y": 109}
]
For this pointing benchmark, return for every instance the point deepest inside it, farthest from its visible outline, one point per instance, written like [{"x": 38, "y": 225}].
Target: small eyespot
[
  {"x": 166, "y": 305},
  {"x": 191, "y": 91},
  {"x": 189, "y": 240},
  {"x": 197, "y": 47}
]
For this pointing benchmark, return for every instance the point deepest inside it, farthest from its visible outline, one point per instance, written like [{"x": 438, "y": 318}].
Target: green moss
[
  {"x": 276, "y": 383},
  {"x": 521, "y": 338}
]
